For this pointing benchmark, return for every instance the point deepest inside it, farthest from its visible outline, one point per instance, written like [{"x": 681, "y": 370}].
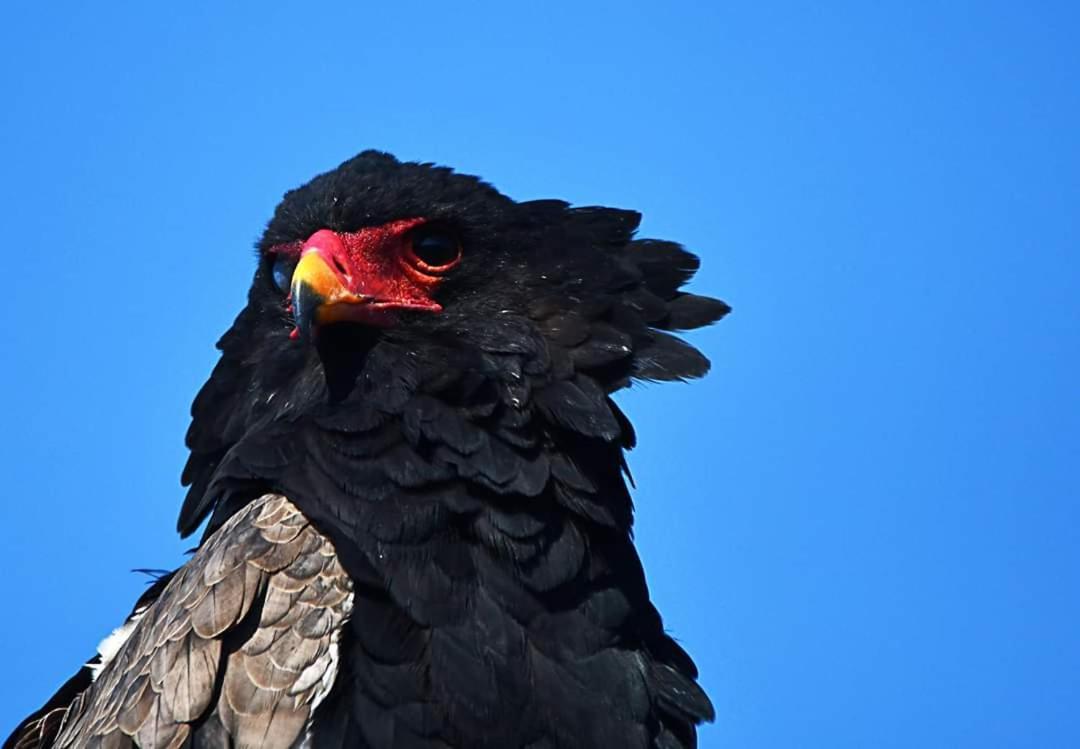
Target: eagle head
[{"x": 382, "y": 283}]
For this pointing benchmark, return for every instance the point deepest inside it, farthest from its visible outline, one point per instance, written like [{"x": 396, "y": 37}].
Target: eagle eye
[
  {"x": 283, "y": 270},
  {"x": 436, "y": 248}
]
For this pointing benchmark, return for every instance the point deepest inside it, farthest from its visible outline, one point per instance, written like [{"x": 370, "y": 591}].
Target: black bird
[{"x": 419, "y": 525}]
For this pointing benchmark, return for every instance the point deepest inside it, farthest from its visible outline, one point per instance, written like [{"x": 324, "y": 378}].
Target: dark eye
[
  {"x": 283, "y": 270},
  {"x": 437, "y": 249}
]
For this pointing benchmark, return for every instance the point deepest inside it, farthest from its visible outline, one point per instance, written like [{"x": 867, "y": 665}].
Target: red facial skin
[{"x": 366, "y": 275}]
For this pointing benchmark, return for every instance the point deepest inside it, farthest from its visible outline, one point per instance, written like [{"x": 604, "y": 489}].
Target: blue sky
[{"x": 863, "y": 524}]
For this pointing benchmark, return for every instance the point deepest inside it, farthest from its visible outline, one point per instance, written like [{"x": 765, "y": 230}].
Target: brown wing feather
[
  {"x": 40, "y": 732},
  {"x": 242, "y": 638}
]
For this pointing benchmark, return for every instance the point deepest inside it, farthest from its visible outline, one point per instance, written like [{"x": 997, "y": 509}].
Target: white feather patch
[{"x": 110, "y": 646}]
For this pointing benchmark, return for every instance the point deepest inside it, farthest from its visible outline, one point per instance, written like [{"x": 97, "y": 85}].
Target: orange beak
[{"x": 319, "y": 295}]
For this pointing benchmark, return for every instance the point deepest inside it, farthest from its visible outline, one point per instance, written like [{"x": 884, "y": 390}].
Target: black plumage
[{"x": 464, "y": 470}]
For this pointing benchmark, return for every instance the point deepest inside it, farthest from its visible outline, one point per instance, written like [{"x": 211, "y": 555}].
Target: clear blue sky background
[{"x": 864, "y": 524}]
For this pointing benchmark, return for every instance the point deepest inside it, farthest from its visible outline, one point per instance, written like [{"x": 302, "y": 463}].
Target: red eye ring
[{"x": 432, "y": 250}]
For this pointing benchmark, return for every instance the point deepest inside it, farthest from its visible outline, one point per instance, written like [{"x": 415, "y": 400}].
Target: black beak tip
[{"x": 305, "y": 306}]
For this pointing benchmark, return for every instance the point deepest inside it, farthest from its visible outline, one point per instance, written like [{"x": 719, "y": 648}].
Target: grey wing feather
[{"x": 243, "y": 640}]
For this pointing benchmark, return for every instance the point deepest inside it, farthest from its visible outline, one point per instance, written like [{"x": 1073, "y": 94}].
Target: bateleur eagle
[{"x": 419, "y": 528}]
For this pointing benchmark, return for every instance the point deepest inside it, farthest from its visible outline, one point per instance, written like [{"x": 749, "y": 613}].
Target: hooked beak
[{"x": 319, "y": 292}]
